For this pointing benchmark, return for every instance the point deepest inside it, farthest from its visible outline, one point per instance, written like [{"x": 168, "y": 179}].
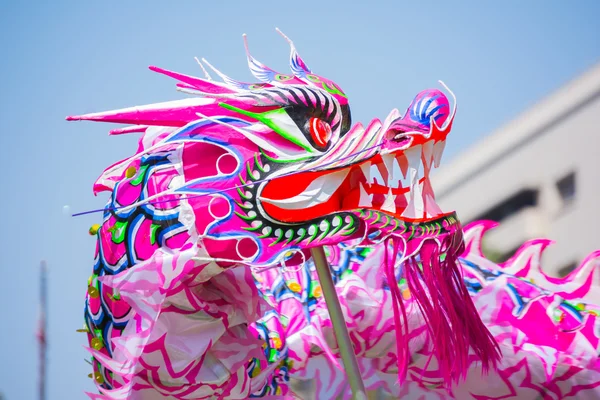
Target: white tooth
[
  {"x": 432, "y": 208},
  {"x": 409, "y": 211},
  {"x": 375, "y": 175},
  {"x": 403, "y": 162},
  {"x": 418, "y": 198},
  {"x": 407, "y": 196},
  {"x": 388, "y": 161},
  {"x": 366, "y": 169},
  {"x": 428, "y": 153},
  {"x": 390, "y": 202},
  {"x": 420, "y": 172},
  {"x": 366, "y": 200},
  {"x": 405, "y": 178},
  {"x": 397, "y": 174},
  {"x": 438, "y": 149},
  {"x": 413, "y": 156}
]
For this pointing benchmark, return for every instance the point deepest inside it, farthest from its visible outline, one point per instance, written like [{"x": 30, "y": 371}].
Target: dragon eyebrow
[
  {"x": 208, "y": 193},
  {"x": 268, "y": 95},
  {"x": 281, "y": 94},
  {"x": 294, "y": 95},
  {"x": 306, "y": 96},
  {"x": 317, "y": 99}
]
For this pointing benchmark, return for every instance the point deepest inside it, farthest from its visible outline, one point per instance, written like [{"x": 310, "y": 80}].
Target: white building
[{"x": 539, "y": 176}]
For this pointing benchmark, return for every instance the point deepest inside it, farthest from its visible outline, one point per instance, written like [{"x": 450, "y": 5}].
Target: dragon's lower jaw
[{"x": 396, "y": 183}]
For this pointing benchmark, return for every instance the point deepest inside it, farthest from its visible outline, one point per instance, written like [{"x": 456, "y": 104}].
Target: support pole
[
  {"x": 339, "y": 325},
  {"x": 41, "y": 334}
]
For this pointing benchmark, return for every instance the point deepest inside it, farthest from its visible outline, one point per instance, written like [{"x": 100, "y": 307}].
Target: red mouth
[{"x": 396, "y": 183}]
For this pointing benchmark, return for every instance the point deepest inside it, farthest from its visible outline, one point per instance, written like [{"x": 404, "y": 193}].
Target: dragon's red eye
[{"x": 320, "y": 131}]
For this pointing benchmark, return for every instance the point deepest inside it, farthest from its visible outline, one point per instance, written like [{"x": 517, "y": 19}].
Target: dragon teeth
[
  {"x": 417, "y": 189},
  {"x": 375, "y": 175},
  {"x": 366, "y": 200},
  {"x": 438, "y": 149},
  {"x": 388, "y": 161},
  {"x": 428, "y": 154},
  {"x": 366, "y": 169},
  {"x": 390, "y": 202}
]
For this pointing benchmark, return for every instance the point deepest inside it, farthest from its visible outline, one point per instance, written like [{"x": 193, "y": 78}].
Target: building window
[
  {"x": 566, "y": 187},
  {"x": 497, "y": 256},
  {"x": 523, "y": 199},
  {"x": 565, "y": 270}
]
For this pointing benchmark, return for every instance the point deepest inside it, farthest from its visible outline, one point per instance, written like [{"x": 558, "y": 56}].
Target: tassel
[
  {"x": 436, "y": 284},
  {"x": 402, "y": 338}
]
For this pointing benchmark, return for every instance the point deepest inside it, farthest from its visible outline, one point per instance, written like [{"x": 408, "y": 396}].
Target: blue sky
[{"x": 73, "y": 57}]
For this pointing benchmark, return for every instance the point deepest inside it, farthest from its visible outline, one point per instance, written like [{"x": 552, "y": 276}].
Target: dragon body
[{"x": 203, "y": 286}]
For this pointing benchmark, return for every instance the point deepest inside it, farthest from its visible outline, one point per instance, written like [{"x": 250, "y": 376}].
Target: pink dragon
[{"x": 203, "y": 286}]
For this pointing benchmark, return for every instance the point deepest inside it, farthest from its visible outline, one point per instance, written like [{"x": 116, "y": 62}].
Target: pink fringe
[{"x": 450, "y": 315}]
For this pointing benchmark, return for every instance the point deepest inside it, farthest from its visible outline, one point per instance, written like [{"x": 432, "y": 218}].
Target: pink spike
[
  {"x": 529, "y": 255},
  {"x": 172, "y": 113},
  {"x": 585, "y": 275},
  {"x": 197, "y": 83},
  {"x": 587, "y": 267},
  {"x": 128, "y": 129},
  {"x": 473, "y": 234},
  {"x": 186, "y": 86}
]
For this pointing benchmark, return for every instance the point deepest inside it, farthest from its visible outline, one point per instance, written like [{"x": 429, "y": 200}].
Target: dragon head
[
  {"x": 258, "y": 173},
  {"x": 268, "y": 170}
]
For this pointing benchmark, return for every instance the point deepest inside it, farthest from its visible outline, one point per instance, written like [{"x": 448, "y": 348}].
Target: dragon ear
[
  {"x": 232, "y": 82},
  {"x": 264, "y": 73},
  {"x": 297, "y": 64}
]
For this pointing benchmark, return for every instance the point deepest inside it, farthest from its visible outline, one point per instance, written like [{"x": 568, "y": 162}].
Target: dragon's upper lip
[{"x": 396, "y": 183}]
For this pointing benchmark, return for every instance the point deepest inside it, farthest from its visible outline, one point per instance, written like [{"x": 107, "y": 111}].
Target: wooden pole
[
  {"x": 339, "y": 324},
  {"x": 42, "y": 332}
]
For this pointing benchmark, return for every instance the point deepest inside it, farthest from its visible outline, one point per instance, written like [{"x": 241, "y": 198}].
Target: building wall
[{"x": 568, "y": 141}]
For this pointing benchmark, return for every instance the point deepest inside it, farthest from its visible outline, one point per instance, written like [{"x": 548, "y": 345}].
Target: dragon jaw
[{"x": 384, "y": 169}]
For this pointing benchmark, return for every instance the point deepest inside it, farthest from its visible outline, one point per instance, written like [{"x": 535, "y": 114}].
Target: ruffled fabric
[
  {"x": 163, "y": 321},
  {"x": 548, "y": 349}
]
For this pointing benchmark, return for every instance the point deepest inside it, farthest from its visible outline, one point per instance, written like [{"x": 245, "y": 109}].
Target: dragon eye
[{"x": 320, "y": 131}]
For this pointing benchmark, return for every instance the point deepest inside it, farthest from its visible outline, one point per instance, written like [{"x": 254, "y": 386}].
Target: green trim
[
  {"x": 377, "y": 217},
  {"x": 279, "y": 238},
  {"x": 260, "y": 168},
  {"x": 153, "y": 229},
  {"x": 242, "y": 194},
  {"x": 244, "y": 217},
  {"x": 283, "y": 161},
  {"x": 337, "y": 228},
  {"x": 243, "y": 207},
  {"x": 250, "y": 174},
  {"x": 349, "y": 228},
  {"x": 333, "y": 90},
  {"x": 118, "y": 226},
  {"x": 266, "y": 235},
  {"x": 291, "y": 237},
  {"x": 327, "y": 230},
  {"x": 140, "y": 176},
  {"x": 264, "y": 118},
  {"x": 302, "y": 235},
  {"x": 253, "y": 228},
  {"x": 387, "y": 221},
  {"x": 314, "y": 235}
]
